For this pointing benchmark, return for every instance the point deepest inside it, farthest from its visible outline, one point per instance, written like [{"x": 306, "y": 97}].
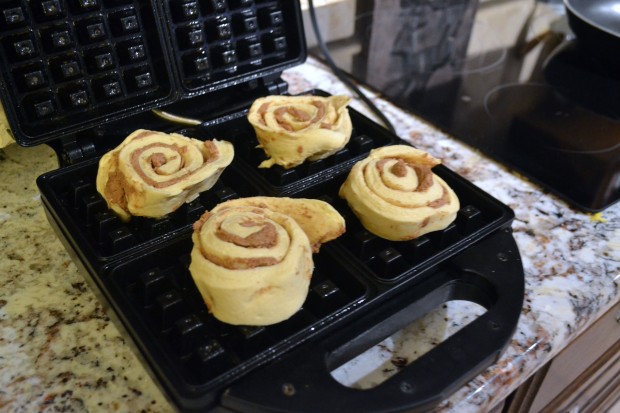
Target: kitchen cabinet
[{"x": 584, "y": 377}]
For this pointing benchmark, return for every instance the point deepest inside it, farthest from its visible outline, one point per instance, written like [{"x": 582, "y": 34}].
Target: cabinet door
[{"x": 584, "y": 377}]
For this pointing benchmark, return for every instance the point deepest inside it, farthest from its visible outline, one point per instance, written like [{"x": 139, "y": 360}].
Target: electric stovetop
[{"x": 510, "y": 81}]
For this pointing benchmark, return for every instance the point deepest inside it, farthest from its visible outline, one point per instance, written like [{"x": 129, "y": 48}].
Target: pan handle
[{"x": 489, "y": 273}]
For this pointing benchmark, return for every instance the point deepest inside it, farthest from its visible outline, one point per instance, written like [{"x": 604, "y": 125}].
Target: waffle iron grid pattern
[
  {"x": 216, "y": 39},
  {"x": 67, "y": 62},
  {"x": 203, "y": 351},
  {"x": 70, "y": 64}
]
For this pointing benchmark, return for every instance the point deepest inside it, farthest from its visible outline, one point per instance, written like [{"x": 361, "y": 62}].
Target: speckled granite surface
[{"x": 60, "y": 352}]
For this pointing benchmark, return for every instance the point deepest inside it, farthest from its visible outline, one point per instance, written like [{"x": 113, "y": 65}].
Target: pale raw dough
[
  {"x": 252, "y": 258},
  {"x": 153, "y": 173},
  {"x": 396, "y": 196},
  {"x": 291, "y": 129}
]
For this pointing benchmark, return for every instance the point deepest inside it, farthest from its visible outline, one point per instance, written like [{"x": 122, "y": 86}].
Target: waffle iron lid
[{"x": 70, "y": 65}]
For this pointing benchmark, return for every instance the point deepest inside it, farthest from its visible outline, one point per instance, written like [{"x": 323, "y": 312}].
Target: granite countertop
[{"x": 59, "y": 350}]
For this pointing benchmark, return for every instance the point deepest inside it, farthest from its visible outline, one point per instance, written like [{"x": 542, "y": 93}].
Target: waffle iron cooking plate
[{"x": 80, "y": 75}]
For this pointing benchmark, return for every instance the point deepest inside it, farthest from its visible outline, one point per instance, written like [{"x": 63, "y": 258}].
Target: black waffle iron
[{"x": 80, "y": 75}]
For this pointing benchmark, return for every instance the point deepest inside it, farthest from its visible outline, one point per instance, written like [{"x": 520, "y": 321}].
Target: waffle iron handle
[{"x": 489, "y": 273}]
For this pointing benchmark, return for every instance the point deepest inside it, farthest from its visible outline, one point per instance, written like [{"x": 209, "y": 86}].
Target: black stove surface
[
  {"x": 538, "y": 103},
  {"x": 560, "y": 128}
]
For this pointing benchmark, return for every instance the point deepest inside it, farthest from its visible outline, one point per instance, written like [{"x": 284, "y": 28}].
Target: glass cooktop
[{"x": 507, "y": 77}]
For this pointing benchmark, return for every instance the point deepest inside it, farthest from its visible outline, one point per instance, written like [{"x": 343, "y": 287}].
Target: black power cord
[{"x": 341, "y": 74}]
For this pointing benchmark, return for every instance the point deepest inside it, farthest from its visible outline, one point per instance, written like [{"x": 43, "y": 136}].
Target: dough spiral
[
  {"x": 291, "y": 129},
  {"x": 152, "y": 173},
  {"x": 252, "y": 257},
  {"x": 396, "y": 196}
]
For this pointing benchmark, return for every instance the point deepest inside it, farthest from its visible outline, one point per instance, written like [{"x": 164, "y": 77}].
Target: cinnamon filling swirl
[
  {"x": 266, "y": 237},
  {"x": 320, "y": 126},
  {"x": 239, "y": 263},
  {"x": 152, "y": 173},
  {"x": 396, "y": 195},
  {"x": 157, "y": 160},
  {"x": 252, "y": 260}
]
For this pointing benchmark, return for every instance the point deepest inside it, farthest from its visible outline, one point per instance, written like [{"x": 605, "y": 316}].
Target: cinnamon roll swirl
[
  {"x": 252, "y": 257},
  {"x": 396, "y": 196},
  {"x": 152, "y": 173},
  {"x": 291, "y": 129}
]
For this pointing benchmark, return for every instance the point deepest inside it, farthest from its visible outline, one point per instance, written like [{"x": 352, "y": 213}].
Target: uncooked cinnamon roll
[
  {"x": 291, "y": 129},
  {"x": 252, "y": 257},
  {"x": 396, "y": 196},
  {"x": 151, "y": 173}
]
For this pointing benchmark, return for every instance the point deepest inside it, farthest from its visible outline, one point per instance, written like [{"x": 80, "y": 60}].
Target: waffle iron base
[{"x": 363, "y": 288}]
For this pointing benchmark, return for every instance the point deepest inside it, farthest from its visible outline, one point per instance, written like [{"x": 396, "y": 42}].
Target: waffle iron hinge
[
  {"x": 80, "y": 147},
  {"x": 274, "y": 84},
  {"x": 72, "y": 150}
]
